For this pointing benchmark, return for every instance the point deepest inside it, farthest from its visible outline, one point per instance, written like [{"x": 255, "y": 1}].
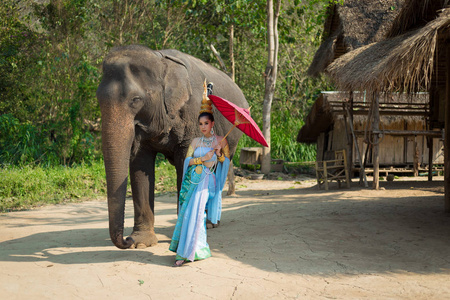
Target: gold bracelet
[{"x": 197, "y": 161}]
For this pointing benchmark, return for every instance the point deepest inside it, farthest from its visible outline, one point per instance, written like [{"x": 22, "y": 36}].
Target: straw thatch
[
  {"x": 415, "y": 14},
  {"x": 354, "y": 24},
  {"x": 404, "y": 62},
  {"x": 324, "y": 55},
  {"x": 317, "y": 121}
]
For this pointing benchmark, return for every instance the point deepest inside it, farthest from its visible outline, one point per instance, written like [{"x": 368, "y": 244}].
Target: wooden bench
[{"x": 334, "y": 169}]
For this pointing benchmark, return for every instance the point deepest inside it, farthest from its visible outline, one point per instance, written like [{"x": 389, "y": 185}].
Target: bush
[
  {"x": 25, "y": 187},
  {"x": 30, "y": 186},
  {"x": 24, "y": 143}
]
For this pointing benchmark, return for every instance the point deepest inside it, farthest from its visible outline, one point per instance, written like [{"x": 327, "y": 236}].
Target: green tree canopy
[{"x": 51, "y": 54}]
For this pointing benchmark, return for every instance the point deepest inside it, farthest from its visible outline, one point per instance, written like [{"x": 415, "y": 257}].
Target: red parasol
[{"x": 240, "y": 118}]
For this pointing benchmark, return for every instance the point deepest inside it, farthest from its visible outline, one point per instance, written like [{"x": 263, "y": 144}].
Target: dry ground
[{"x": 279, "y": 239}]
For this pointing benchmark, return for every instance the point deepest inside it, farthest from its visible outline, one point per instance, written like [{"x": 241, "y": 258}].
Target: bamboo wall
[{"x": 396, "y": 151}]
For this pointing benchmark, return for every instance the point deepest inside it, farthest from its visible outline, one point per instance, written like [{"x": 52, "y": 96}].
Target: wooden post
[
  {"x": 416, "y": 163},
  {"x": 351, "y": 141},
  {"x": 405, "y": 143},
  {"x": 320, "y": 147},
  {"x": 346, "y": 171},
  {"x": 348, "y": 134},
  {"x": 318, "y": 174},
  {"x": 433, "y": 111},
  {"x": 430, "y": 158},
  {"x": 376, "y": 148},
  {"x": 362, "y": 172},
  {"x": 447, "y": 133}
]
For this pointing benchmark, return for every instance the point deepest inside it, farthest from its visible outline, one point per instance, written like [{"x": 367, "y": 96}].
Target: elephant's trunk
[{"x": 117, "y": 138}]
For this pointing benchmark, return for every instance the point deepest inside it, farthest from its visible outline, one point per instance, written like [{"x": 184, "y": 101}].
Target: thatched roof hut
[
  {"x": 354, "y": 24},
  {"x": 328, "y": 108},
  {"x": 328, "y": 126},
  {"x": 415, "y": 56},
  {"x": 403, "y": 62}
]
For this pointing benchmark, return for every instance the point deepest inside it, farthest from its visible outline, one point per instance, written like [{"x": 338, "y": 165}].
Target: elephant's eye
[{"x": 135, "y": 101}]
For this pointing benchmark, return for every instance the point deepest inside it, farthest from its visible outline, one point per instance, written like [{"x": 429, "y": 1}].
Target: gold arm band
[
  {"x": 190, "y": 152},
  {"x": 221, "y": 158},
  {"x": 226, "y": 151},
  {"x": 198, "y": 161}
]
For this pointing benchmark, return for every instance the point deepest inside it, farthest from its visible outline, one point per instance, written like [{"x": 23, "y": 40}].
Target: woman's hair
[{"x": 206, "y": 114}]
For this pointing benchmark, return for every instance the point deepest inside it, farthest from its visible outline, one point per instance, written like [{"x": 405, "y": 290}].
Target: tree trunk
[
  {"x": 231, "y": 44},
  {"x": 270, "y": 78}
]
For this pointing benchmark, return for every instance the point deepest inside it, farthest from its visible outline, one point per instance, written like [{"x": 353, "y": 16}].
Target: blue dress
[{"x": 200, "y": 192}]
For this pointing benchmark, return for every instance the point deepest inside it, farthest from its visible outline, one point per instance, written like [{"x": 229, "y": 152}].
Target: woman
[{"x": 205, "y": 170}]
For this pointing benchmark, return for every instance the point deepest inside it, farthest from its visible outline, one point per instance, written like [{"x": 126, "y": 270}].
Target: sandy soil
[{"x": 279, "y": 239}]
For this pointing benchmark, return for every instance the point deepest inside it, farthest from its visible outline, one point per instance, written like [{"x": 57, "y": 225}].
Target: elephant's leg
[
  {"x": 231, "y": 181},
  {"x": 142, "y": 176}
]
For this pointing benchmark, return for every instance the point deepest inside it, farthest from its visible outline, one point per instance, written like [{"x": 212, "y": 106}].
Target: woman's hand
[
  {"x": 208, "y": 155},
  {"x": 218, "y": 150}
]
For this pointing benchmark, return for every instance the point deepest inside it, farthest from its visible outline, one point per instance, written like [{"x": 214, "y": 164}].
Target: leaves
[{"x": 51, "y": 54}]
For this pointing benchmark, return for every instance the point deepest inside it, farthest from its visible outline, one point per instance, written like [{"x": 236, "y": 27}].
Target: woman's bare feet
[{"x": 178, "y": 263}]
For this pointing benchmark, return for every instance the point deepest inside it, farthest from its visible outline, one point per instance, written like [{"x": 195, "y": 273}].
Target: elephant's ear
[{"x": 177, "y": 87}]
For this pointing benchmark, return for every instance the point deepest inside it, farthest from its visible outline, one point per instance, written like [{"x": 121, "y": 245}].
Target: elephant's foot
[
  {"x": 231, "y": 189},
  {"x": 143, "y": 239},
  {"x": 231, "y": 193}
]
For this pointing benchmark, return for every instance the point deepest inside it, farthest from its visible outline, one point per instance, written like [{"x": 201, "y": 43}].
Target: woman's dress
[{"x": 200, "y": 199}]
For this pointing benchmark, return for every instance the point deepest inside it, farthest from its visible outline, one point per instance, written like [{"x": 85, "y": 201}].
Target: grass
[
  {"x": 27, "y": 187},
  {"x": 166, "y": 179}
]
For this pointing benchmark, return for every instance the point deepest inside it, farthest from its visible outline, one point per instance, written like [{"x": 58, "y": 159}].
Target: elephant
[{"x": 149, "y": 102}]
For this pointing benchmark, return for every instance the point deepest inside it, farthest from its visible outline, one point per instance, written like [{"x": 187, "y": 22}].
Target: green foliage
[
  {"x": 22, "y": 143},
  {"x": 287, "y": 118},
  {"x": 50, "y": 57},
  {"x": 165, "y": 177},
  {"x": 49, "y": 105},
  {"x": 50, "y": 67},
  {"x": 17, "y": 52},
  {"x": 29, "y": 186},
  {"x": 300, "y": 29}
]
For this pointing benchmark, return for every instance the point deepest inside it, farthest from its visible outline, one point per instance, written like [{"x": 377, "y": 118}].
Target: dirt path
[{"x": 278, "y": 240}]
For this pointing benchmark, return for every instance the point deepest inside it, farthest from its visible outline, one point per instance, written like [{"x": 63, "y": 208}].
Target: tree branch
[{"x": 217, "y": 55}]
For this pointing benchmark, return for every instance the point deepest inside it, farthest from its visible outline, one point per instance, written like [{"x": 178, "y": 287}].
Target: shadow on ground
[{"x": 296, "y": 230}]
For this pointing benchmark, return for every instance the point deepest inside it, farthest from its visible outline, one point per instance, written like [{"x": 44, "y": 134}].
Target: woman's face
[{"x": 205, "y": 125}]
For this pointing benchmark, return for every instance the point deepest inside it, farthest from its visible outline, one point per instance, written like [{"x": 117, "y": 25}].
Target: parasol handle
[{"x": 229, "y": 131}]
